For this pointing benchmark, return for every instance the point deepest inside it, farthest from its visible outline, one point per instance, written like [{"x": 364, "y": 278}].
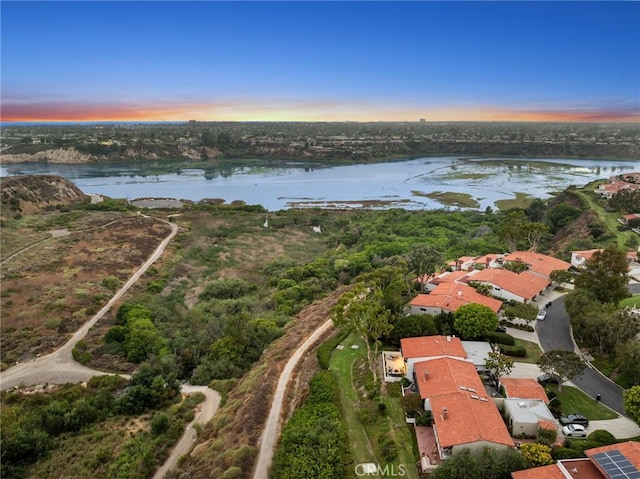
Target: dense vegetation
[
  {"x": 314, "y": 443},
  {"x": 40, "y": 430},
  {"x": 233, "y": 287},
  {"x": 325, "y": 141}
]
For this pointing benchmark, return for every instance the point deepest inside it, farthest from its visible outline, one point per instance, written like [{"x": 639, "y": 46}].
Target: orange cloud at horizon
[{"x": 300, "y": 111}]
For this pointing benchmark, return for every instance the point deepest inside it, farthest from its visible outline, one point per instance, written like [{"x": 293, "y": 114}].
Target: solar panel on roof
[{"x": 616, "y": 465}]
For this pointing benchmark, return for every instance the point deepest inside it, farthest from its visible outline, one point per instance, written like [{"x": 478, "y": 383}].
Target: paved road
[
  {"x": 271, "y": 432},
  {"x": 555, "y": 333}
]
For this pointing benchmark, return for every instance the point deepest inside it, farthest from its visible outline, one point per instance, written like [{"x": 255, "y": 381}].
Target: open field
[{"x": 51, "y": 289}]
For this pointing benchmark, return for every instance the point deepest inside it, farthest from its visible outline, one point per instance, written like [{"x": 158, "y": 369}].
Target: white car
[
  {"x": 574, "y": 430},
  {"x": 541, "y": 315}
]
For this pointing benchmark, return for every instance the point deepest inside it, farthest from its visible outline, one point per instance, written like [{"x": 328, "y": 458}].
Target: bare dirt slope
[{"x": 29, "y": 194}]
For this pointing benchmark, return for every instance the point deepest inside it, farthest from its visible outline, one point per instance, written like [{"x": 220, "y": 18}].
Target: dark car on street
[{"x": 574, "y": 419}]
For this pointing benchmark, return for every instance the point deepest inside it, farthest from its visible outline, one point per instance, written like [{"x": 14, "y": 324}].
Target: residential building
[
  {"x": 526, "y": 416},
  {"x": 429, "y": 347},
  {"x": 448, "y": 297},
  {"x": 606, "y": 462},
  {"x": 523, "y": 388},
  {"x": 538, "y": 263},
  {"x": 505, "y": 284}
]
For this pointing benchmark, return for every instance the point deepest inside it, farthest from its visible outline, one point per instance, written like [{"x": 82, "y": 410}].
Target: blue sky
[{"x": 320, "y": 61}]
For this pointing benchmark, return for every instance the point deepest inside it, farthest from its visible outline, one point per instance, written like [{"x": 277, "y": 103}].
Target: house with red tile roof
[
  {"x": 523, "y": 388},
  {"x": 590, "y": 468},
  {"x": 446, "y": 375},
  {"x": 538, "y": 263},
  {"x": 607, "y": 190},
  {"x": 448, "y": 297},
  {"x": 463, "y": 420},
  {"x": 522, "y": 287},
  {"x": 442, "y": 278},
  {"x": 422, "y": 348}
]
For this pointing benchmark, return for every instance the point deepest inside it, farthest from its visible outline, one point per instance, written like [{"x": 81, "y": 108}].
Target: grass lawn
[
  {"x": 533, "y": 351},
  {"x": 346, "y": 364},
  {"x": 341, "y": 364},
  {"x": 575, "y": 401},
  {"x": 633, "y": 301},
  {"x": 609, "y": 219}
]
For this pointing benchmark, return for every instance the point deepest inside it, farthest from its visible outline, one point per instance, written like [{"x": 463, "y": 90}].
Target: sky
[{"x": 320, "y": 61}]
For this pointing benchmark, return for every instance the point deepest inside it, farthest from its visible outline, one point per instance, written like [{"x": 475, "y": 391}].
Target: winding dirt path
[
  {"x": 271, "y": 432},
  {"x": 59, "y": 366}
]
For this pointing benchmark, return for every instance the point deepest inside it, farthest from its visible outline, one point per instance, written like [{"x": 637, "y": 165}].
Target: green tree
[
  {"x": 474, "y": 320},
  {"x": 534, "y": 233},
  {"x": 482, "y": 464},
  {"x": 561, "y": 215},
  {"x": 424, "y": 258},
  {"x": 632, "y": 403},
  {"x": 560, "y": 276},
  {"x": 361, "y": 310},
  {"x": 498, "y": 364},
  {"x": 565, "y": 364},
  {"x": 625, "y": 200},
  {"x": 605, "y": 275},
  {"x": 628, "y": 359},
  {"x": 513, "y": 228}
]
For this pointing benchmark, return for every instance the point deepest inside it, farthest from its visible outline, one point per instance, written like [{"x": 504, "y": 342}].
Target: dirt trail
[
  {"x": 271, "y": 431},
  {"x": 59, "y": 367}
]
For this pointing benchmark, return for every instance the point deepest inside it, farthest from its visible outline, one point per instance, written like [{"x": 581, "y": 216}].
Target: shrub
[
  {"x": 547, "y": 436},
  {"x": 515, "y": 351},
  {"x": 602, "y": 436},
  {"x": 565, "y": 453},
  {"x": 501, "y": 338}
]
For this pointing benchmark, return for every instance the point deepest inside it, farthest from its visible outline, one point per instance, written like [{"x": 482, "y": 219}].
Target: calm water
[{"x": 276, "y": 187}]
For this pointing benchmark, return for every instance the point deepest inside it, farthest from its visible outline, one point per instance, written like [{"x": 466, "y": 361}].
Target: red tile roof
[
  {"x": 432, "y": 346},
  {"x": 449, "y": 277},
  {"x": 468, "y": 420},
  {"x": 538, "y": 263},
  {"x": 551, "y": 471},
  {"x": 584, "y": 467},
  {"x": 524, "y": 388},
  {"x": 445, "y": 376},
  {"x": 630, "y": 449},
  {"x": 526, "y": 285},
  {"x": 450, "y": 296}
]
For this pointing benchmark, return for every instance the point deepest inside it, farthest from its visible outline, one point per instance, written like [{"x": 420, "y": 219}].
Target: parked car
[
  {"x": 574, "y": 430},
  {"x": 501, "y": 329},
  {"x": 548, "y": 379},
  {"x": 574, "y": 419},
  {"x": 541, "y": 315}
]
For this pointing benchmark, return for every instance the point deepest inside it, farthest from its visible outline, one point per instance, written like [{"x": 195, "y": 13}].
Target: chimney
[
  {"x": 445, "y": 412},
  {"x": 426, "y": 374},
  {"x": 459, "y": 292},
  {"x": 448, "y": 338}
]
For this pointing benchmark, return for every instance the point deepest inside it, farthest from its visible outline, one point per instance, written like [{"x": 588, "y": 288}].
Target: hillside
[{"x": 34, "y": 193}]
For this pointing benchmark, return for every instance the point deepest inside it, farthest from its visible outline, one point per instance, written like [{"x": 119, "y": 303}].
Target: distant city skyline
[{"x": 320, "y": 61}]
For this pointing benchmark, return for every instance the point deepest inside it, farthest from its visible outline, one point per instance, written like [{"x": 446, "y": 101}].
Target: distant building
[{"x": 422, "y": 120}]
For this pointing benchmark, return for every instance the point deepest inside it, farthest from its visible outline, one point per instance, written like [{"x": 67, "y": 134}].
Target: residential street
[{"x": 555, "y": 333}]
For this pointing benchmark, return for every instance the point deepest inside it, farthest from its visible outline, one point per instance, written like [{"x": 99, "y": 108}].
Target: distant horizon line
[{"x": 178, "y": 122}]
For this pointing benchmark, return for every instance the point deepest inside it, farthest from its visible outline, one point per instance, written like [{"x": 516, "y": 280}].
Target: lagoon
[{"x": 402, "y": 183}]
